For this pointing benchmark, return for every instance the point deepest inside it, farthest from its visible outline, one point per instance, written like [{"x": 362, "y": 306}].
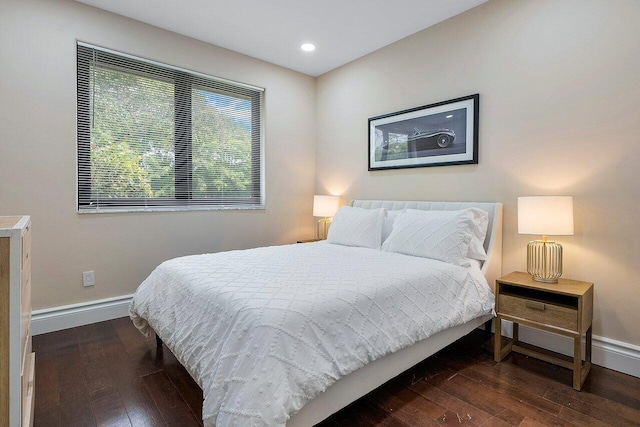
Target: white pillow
[
  {"x": 479, "y": 223},
  {"x": 387, "y": 226},
  {"x": 430, "y": 234},
  {"x": 357, "y": 227}
]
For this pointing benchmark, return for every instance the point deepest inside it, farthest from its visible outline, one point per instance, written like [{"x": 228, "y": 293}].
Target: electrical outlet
[{"x": 88, "y": 278}]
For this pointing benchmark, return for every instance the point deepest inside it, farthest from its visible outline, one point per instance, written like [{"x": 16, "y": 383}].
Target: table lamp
[
  {"x": 325, "y": 207},
  {"x": 545, "y": 216}
]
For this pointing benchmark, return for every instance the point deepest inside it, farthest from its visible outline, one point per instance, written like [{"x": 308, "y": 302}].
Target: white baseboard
[
  {"x": 612, "y": 354},
  {"x": 84, "y": 313}
]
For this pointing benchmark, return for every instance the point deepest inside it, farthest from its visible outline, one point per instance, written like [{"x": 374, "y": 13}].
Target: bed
[{"x": 291, "y": 334}]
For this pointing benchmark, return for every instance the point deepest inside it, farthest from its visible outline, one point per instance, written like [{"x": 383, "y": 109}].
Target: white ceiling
[{"x": 273, "y": 30}]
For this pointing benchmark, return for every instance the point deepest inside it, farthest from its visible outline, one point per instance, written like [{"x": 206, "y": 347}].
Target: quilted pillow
[
  {"x": 479, "y": 229},
  {"x": 357, "y": 227},
  {"x": 387, "y": 225},
  {"x": 441, "y": 235},
  {"x": 479, "y": 224}
]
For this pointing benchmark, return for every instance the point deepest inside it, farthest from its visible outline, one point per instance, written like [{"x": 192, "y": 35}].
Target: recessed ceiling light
[
  {"x": 308, "y": 47},
  {"x": 449, "y": 116}
]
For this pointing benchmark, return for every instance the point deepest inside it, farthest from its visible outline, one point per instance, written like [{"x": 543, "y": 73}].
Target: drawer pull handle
[{"x": 534, "y": 305}]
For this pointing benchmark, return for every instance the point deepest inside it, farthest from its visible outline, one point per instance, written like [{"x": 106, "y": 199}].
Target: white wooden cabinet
[{"x": 17, "y": 361}]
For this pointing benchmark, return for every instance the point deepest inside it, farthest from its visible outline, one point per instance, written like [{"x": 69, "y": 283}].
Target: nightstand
[
  {"x": 564, "y": 308},
  {"x": 308, "y": 241}
]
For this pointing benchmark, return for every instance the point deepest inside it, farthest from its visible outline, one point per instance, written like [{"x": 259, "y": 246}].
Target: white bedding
[{"x": 263, "y": 331}]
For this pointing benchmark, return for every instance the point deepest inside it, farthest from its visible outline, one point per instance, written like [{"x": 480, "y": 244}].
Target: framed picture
[{"x": 441, "y": 134}]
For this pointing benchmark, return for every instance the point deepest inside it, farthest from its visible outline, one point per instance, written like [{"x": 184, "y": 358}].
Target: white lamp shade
[
  {"x": 545, "y": 215},
  {"x": 325, "y": 206}
]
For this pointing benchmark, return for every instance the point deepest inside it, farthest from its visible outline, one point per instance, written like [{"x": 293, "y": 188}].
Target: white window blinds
[{"x": 155, "y": 137}]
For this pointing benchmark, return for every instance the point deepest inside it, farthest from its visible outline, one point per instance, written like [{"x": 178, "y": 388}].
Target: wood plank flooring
[{"x": 108, "y": 374}]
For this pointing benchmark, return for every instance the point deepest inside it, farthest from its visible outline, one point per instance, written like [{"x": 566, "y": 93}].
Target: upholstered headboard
[{"x": 492, "y": 267}]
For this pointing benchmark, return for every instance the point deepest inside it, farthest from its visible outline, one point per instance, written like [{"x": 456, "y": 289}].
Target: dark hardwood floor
[{"x": 108, "y": 374}]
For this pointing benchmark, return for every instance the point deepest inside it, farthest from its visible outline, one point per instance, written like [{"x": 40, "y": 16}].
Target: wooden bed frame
[{"x": 366, "y": 379}]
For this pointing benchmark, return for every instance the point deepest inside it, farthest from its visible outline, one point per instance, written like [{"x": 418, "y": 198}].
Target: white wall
[
  {"x": 38, "y": 153},
  {"x": 559, "y": 85}
]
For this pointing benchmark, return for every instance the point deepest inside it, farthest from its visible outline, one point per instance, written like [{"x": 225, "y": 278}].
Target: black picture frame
[{"x": 440, "y": 134}]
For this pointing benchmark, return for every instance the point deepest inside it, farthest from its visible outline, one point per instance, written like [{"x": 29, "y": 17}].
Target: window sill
[{"x": 108, "y": 210}]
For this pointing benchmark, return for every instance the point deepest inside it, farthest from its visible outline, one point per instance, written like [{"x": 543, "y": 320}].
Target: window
[{"x": 153, "y": 137}]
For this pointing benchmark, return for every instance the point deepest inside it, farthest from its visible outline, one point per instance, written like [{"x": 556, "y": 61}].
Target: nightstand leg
[
  {"x": 586, "y": 366},
  {"x": 577, "y": 362},
  {"x": 500, "y": 353},
  {"x": 516, "y": 333},
  {"x": 497, "y": 340}
]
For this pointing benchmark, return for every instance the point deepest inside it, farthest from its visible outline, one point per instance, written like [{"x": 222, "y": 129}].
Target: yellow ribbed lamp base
[{"x": 544, "y": 261}]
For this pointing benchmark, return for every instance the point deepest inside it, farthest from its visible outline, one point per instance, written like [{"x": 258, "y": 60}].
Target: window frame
[{"x": 184, "y": 82}]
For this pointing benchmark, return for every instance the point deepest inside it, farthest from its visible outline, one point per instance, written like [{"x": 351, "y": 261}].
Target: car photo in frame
[{"x": 440, "y": 134}]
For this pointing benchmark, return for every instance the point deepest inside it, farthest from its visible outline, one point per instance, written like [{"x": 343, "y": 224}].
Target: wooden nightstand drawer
[{"x": 539, "y": 311}]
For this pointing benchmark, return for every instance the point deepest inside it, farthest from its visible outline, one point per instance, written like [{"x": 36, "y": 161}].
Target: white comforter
[{"x": 263, "y": 331}]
